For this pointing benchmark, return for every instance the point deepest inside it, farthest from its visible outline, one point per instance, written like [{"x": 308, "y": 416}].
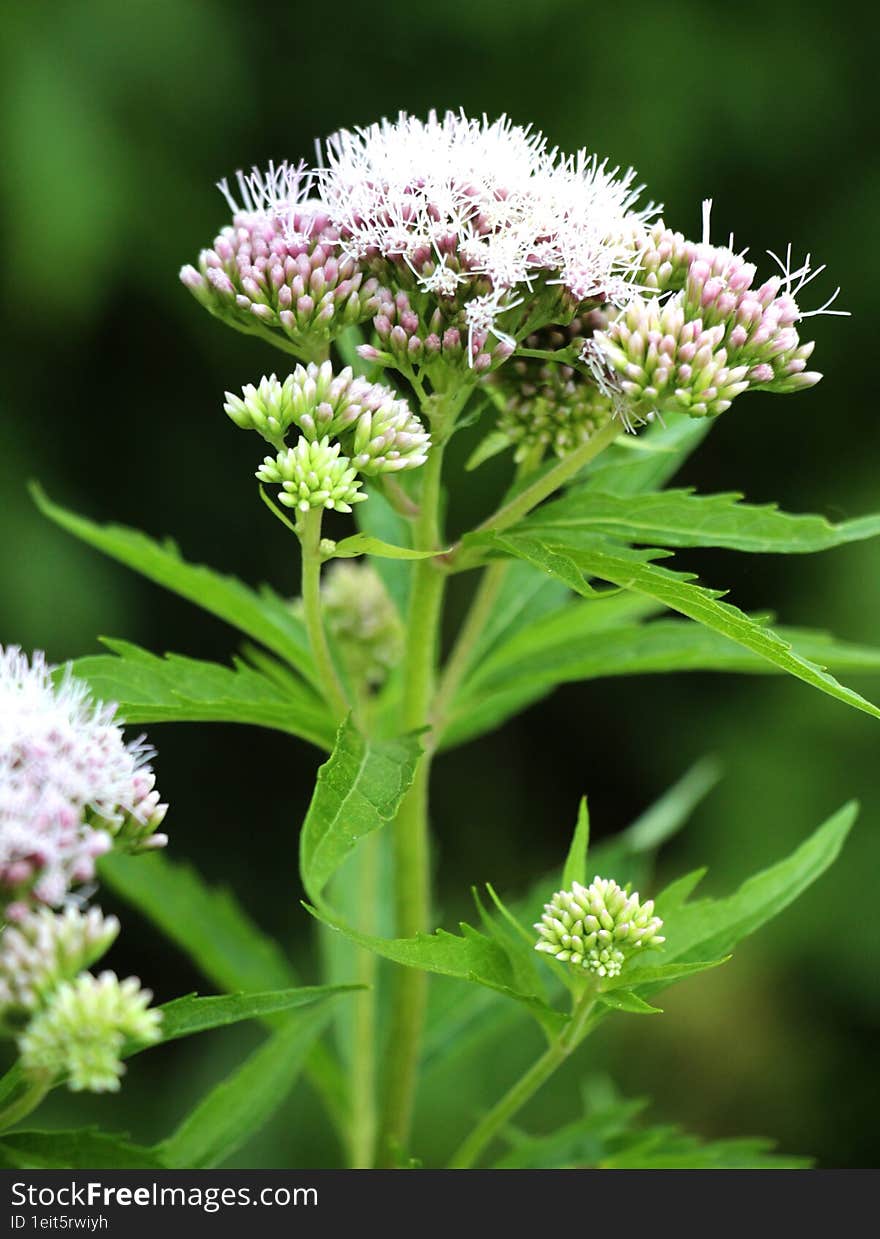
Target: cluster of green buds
[
  {"x": 363, "y": 621},
  {"x": 547, "y": 403},
  {"x": 598, "y": 927},
  {"x": 79, "y": 1035},
  {"x": 69, "y": 1025},
  {"x": 345, "y": 426}
]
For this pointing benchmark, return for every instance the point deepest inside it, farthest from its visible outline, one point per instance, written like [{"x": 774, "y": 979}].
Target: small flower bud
[
  {"x": 46, "y": 949},
  {"x": 598, "y": 927},
  {"x": 363, "y": 621},
  {"x": 79, "y": 1036},
  {"x": 313, "y": 475}
]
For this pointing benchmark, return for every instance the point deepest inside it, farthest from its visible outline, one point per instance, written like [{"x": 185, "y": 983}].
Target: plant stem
[
  {"x": 25, "y": 1099},
  {"x": 411, "y": 857},
  {"x": 527, "y": 1085},
  {"x": 309, "y": 527},
  {"x": 549, "y": 481},
  {"x": 363, "y": 1067}
]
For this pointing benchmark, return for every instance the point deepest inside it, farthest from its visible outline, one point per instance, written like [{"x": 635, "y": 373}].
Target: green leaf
[
  {"x": 358, "y": 790},
  {"x": 670, "y": 1148},
  {"x": 575, "y": 868},
  {"x": 578, "y": 1144},
  {"x": 526, "y": 595},
  {"x": 262, "y": 616},
  {"x": 681, "y": 518},
  {"x": 663, "y": 974},
  {"x": 236, "y": 1109},
  {"x": 633, "y": 571},
  {"x": 636, "y": 464},
  {"x": 470, "y": 956},
  {"x": 205, "y": 922},
  {"x": 365, "y": 544},
  {"x": 709, "y": 928},
  {"x": 620, "y": 999},
  {"x": 150, "y": 689},
  {"x": 87, "y": 1149},
  {"x": 379, "y": 519},
  {"x": 208, "y": 924},
  {"x": 185, "y": 1016}
]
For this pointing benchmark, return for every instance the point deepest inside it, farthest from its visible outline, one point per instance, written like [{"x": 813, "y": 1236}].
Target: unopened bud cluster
[
  {"x": 346, "y": 427},
  {"x": 276, "y": 270},
  {"x": 598, "y": 927},
  {"x": 78, "y": 1037},
  {"x": 363, "y": 621},
  {"x": 547, "y": 404},
  {"x": 44, "y": 950}
]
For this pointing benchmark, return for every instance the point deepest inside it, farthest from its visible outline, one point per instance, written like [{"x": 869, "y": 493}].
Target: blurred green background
[{"x": 117, "y": 121}]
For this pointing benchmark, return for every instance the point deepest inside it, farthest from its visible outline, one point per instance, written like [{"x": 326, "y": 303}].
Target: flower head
[
  {"x": 69, "y": 784},
  {"x": 276, "y": 269},
  {"x": 482, "y": 224},
  {"x": 313, "y": 475},
  {"x": 46, "y": 949},
  {"x": 598, "y": 927},
  {"x": 79, "y": 1036},
  {"x": 363, "y": 621}
]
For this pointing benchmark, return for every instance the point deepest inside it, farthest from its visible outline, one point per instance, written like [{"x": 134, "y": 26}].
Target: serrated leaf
[
  {"x": 469, "y": 956},
  {"x": 669, "y": 1148},
  {"x": 209, "y": 925},
  {"x": 575, "y": 867},
  {"x": 88, "y": 1149},
  {"x": 622, "y": 999},
  {"x": 647, "y": 461},
  {"x": 173, "y": 688},
  {"x": 262, "y": 616},
  {"x": 662, "y": 974},
  {"x": 183, "y": 1017},
  {"x": 633, "y": 571},
  {"x": 682, "y": 518},
  {"x": 238, "y": 1107},
  {"x": 709, "y": 928},
  {"x": 365, "y": 544},
  {"x": 358, "y": 790}
]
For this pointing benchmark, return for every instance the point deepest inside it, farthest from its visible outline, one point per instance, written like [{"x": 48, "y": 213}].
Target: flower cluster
[
  {"x": 363, "y": 620},
  {"x": 597, "y": 927},
  {"x": 46, "y": 949},
  {"x": 549, "y": 404},
  {"x": 705, "y": 331},
  {"x": 376, "y": 429},
  {"x": 485, "y": 226},
  {"x": 276, "y": 269},
  {"x": 69, "y": 785},
  {"x": 79, "y": 1035}
]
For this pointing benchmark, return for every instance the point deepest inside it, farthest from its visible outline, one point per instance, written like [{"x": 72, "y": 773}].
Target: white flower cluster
[{"x": 69, "y": 783}]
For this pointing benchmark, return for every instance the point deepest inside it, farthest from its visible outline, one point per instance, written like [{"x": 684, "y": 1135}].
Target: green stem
[
  {"x": 410, "y": 835},
  {"x": 527, "y": 1085},
  {"x": 363, "y": 1066},
  {"x": 26, "y": 1097},
  {"x": 328, "y": 677},
  {"x": 533, "y": 494}
]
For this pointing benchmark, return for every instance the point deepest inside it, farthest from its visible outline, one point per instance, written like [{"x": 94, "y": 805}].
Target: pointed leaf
[
  {"x": 358, "y": 790},
  {"x": 365, "y": 544},
  {"x": 263, "y": 616},
  {"x": 87, "y": 1149},
  {"x": 150, "y": 689},
  {"x": 625, "y": 1000},
  {"x": 633, "y": 571},
  {"x": 683, "y": 518},
  {"x": 575, "y": 868},
  {"x": 236, "y": 1109}
]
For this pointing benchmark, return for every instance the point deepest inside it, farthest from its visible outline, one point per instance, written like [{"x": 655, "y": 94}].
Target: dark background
[{"x": 117, "y": 121}]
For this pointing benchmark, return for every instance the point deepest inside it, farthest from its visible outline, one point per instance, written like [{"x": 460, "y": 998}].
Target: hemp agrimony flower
[
  {"x": 313, "y": 475},
  {"x": 79, "y": 1035},
  {"x": 598, "y": 927},
  {"x": 45, "y": 949},
  {"x": 276, "y": 269},
  {"x": 69, "y": 785}
]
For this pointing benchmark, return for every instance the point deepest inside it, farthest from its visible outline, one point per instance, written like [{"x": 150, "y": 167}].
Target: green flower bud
[
  {"x": 598, "y": 927},
  {"x": 363, "y": 620},
  {"x": 46, "y": 949},
  {"x": 313, "y": 475},
  {"x": 80, "y": 1035},
  {"x": 268, "y": 408}
]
